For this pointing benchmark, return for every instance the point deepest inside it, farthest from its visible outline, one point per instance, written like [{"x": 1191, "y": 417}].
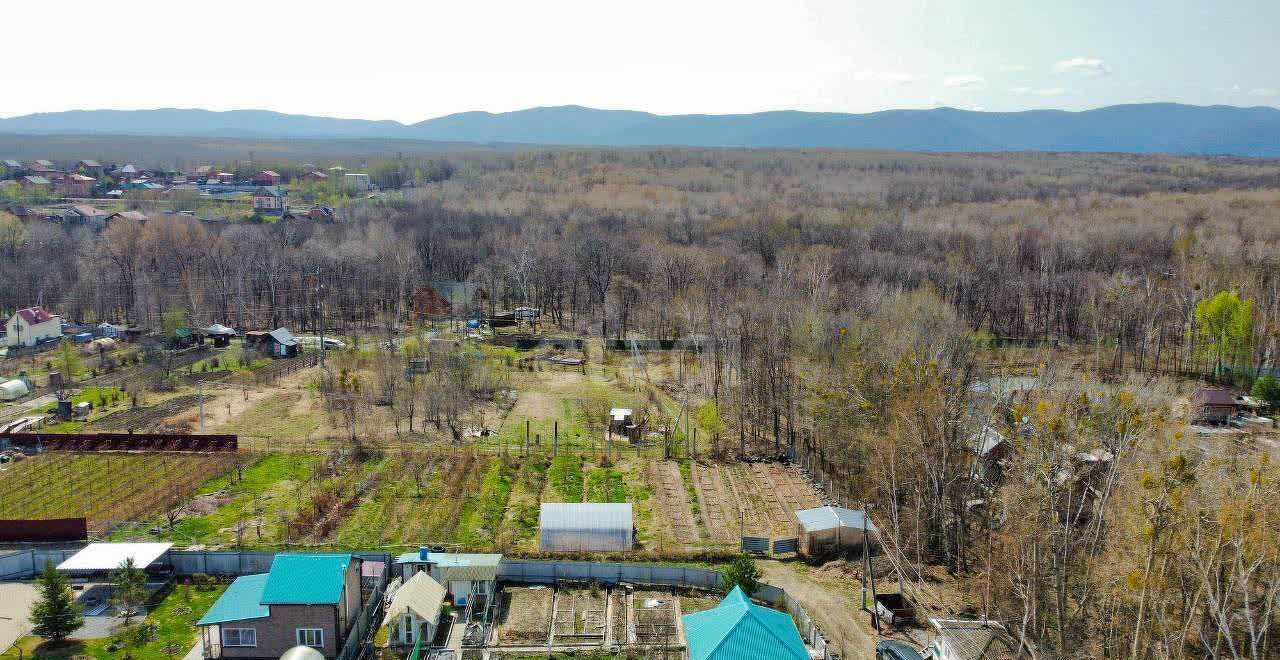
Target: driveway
[
  {"x": 16, "y": 599},
  {"x": 838, "y": 615}
]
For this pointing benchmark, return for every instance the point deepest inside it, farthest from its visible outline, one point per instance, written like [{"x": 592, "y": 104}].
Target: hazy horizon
[{"x": 411, "y": 61}]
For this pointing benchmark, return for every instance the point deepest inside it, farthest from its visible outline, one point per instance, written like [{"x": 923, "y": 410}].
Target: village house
[
  {"x": 469, "y": 579},
  {"x": 136, "y": 216},
  {"x": 310, "y": 600},
  {"x": 90, "y": 167},
  {"x": 84, "y": 214},
  {"x": 270, "y": 200},
  {"x": 738, "y": 628},
  {"x": 21, "y": 211},
  {"x": 76, "y": 185},
  {"x": 266, "y": 178},
  {"x": 45, "y": 169},
  {"x": 11, "y": 165},
  {"x": 125, "y": 173},
  {"x": 1213, "y": 406},
  {"x": 315, "y": 175},
  {"x": 278, "y": 343},
  {"x": 31, "y": 326},
  {"x": 34, "y": 181}
]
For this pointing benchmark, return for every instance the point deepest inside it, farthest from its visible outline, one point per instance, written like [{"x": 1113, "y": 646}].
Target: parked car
[{"x": 892, "y": 649}]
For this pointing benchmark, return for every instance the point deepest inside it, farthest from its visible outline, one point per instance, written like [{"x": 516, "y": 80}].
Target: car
[{"x": 892, "y": 649}]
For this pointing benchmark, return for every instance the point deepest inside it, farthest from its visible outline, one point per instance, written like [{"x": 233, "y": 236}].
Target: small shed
[
  {"x": 622, "y": 422},
  {"x": 1213, "y": 406},
  {"x": 831, "y": 530},
  {"x": 586, "y": 527},
  {"x": 415, "y": 610}
]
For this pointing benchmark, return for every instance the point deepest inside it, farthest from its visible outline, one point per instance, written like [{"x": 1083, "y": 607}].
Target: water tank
[{"x": 302, "y": 653}]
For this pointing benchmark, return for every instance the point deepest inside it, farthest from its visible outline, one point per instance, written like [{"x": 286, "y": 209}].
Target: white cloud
[
  {"x": 890, "y": 77},
  {"x": 1040, "y": 91},
  {"x": 1014, "y": 68},
  {"x": 1085, "y": 66},
  {"x": 965, "y": 81},
  {"x": 1264, "y": 91}
]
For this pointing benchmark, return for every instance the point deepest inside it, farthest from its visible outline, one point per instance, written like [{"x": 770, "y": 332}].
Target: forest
[{"x": 866, "y": 311}]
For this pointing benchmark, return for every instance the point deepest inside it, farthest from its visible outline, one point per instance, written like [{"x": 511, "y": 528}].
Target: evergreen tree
[
  {"x": 56, "y": 614},
  {"x": 742, "y": 572}
]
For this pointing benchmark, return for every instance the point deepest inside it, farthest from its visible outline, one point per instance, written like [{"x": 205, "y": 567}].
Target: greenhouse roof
[
  {"x": 831, "y": 517},
  {"x": 585, "y": 516}
]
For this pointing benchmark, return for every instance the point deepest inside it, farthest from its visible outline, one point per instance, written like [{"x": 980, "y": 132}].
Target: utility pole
[
  {"x": 200, "y": 390},
  {"x": 320, "y": 313}
]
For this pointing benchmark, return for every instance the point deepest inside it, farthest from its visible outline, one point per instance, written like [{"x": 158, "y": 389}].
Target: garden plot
[
  {"x": 579, "y": 616},
  {"x": 673, "y": 507},
  {"x": 525, "y": 618},
  {"x": 143, "y": 418},
  {"x": 653, "y": 618}
]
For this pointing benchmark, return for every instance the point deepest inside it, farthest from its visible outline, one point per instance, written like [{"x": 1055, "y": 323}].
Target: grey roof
[
  {"x": 272, "y": 191},
  {"x": 10, "y": 163},
  {"x": 976, "y": 640},
  {"x": 831, "y": 517},
  {"x": 284, "y": 337}
]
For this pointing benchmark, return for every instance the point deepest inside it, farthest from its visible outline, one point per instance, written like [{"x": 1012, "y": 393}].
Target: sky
[{"x": 413, "y": 60}]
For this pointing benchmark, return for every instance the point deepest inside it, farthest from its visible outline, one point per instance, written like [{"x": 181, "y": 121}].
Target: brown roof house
[
  {"x": 266, "y": 178},
  {"x": 1213, "y": 406},
  {"x": 310, "y": 600},
  {"x": 76, "y": 185},
  {"x": 83, "y": 214}
]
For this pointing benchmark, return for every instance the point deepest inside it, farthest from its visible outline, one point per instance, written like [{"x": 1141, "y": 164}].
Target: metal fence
[
  {"x": 26, "y": 564},
  {"x": 360, "y": 637},
  {"x": 540, "y": 571}
]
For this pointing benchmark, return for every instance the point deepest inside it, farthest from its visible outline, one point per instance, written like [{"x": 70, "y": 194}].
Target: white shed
[
  {"x": 11, "y": 390},
  {"x": 586, "y": 527},
  {"x": 831, "y": 529}
]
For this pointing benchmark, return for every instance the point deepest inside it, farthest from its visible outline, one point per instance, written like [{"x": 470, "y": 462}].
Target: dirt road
[{"x": 837, "y": 614}]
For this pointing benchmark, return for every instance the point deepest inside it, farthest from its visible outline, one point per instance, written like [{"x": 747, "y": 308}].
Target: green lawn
[{"x": 169, "y": 630}]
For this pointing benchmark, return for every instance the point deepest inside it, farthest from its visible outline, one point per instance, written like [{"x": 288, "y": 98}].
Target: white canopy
[
  {"x": 109, "y": 556},
  {"x": 421, "y": 595}
]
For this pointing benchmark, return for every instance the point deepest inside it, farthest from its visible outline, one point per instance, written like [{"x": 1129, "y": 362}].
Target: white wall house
[
  {"x": 468, "y": 577},
  {"x": 31, "y": 325}
]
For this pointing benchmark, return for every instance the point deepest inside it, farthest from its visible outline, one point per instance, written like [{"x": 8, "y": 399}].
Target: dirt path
[{"x": 843, "y": 623}]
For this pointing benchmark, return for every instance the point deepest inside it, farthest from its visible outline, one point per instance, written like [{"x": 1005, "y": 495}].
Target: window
[
  {"x": 313, "y": 637},
  {"x": 479, "y": 587},
  {"x": 239, "y": 637}
]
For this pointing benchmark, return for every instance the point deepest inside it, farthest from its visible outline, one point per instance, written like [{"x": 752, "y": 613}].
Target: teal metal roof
[
  {"x": 738, "y": 629},
  {"x": 242, "y": 600},
  {"x": 306, "y": 579}
]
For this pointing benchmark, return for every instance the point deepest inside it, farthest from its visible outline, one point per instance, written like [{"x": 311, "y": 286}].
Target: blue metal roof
[
  {"x": 738, "y": 629},
  {"x": 242, "y": 600},
  {"x": 306, "y": 579}
]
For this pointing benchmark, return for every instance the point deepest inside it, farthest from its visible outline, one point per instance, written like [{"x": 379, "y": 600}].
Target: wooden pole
[{"x": 866, "y": 552}]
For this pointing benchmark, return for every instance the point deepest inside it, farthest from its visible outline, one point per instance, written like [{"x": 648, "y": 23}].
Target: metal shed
[
  {"x": 831, "y": 529},
  {"x": 586, "y": 527}
]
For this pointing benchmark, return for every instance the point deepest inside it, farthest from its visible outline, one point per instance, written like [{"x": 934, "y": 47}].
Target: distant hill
[{"x": 1140, "y": 128}]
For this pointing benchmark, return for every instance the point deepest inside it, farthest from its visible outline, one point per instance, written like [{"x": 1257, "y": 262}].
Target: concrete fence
[{"x": 539, "y": 571}]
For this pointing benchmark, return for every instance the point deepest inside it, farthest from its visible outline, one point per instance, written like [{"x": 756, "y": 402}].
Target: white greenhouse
[
  {"x": 13, "y": 389},
  {"x": 832, "y": 530},
  {"x": 586, "y": 527}
]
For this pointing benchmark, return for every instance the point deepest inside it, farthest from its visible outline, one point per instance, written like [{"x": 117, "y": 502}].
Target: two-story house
[
  {"x": 270, "y": 200},
  {"x": 304, "y": 600},
  {"x": 30, "y": 326}
]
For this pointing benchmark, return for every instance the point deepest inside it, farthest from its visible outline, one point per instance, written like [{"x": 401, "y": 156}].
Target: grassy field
[{"x": 167, "y": 632}]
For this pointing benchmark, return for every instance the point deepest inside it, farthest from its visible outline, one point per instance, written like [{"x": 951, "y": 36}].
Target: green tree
[
  {"x": 1225, "y": 323},
  {"x": 742, "y": 572},
  {"x": 55, "y": 615},
  {"x": 173, "y": 319},
  {"x": 1267, "y": 388},
  {"x": 131, "y": 588},
  {"x": 69, "y": 362}
]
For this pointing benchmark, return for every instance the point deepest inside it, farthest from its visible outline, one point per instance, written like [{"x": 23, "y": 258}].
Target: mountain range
[{"x": 1139, "y": 128}]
